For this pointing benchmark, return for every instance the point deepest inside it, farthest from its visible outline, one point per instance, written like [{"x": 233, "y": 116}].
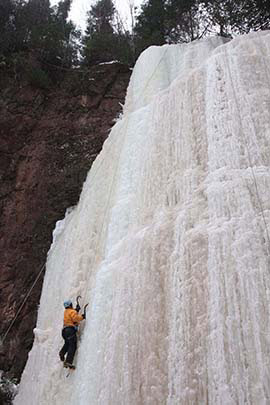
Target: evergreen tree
[
  {"x": 243, "y": 16},
  {"x": 187, "y": 20},
  {"x": 98, "y": 37},
  {"x": 223, "y": 15},
  {"x": 169, "y": 21},
  {"x": 7, "y": 11},
  {"x": 65, "y": 39},
  {"x": 49, "y": 34},
  {"x": 38, "y": 39},
  {"x": 104, "y": 39},
  {"x": 45, "y": 31},
  {"x": 63, "y": 10},
  {"x": 150, "y": 27},
  {"x": 255, "y": 16},
  {"x": 172, "y": 21},
  {"x": 101, "y": 17}
]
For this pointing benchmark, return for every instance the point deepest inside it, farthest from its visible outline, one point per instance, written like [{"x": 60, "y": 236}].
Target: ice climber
[{"x": 72, "y": 318}]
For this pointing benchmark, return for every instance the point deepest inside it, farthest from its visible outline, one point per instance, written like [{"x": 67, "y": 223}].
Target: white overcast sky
[{"x": 80, "y": 8}]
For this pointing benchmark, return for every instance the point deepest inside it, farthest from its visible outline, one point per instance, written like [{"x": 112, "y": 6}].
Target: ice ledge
[{"x": 158, "y": 66}]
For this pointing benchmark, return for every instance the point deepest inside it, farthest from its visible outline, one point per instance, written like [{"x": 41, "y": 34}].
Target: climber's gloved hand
[
  {"x": 78, "y": 308},
  {"x": 83, "y": 315}
]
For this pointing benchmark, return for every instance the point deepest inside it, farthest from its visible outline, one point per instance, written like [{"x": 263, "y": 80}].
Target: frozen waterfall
[{"x": 169, "y": 242}]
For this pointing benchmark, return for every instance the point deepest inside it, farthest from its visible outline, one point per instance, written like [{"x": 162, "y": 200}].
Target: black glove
[
  {"x": 78, "y": 308},
  {"x": 83, "y": 315}
]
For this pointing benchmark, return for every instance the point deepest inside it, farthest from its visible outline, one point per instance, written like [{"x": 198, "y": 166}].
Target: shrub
[{"x": 38, "y": 78}]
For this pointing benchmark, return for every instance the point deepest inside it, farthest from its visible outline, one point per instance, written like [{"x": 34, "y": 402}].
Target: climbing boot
[{"x": 68, "y": 365}]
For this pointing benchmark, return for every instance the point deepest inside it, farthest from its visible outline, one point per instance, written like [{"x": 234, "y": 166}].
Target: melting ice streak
[{"x": 169, "y": 241}]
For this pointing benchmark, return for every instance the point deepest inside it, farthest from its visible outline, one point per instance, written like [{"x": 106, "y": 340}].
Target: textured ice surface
[{"x": 169, "y": 242}]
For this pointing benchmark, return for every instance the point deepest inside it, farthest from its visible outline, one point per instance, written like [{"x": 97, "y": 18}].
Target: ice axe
[
  {"x": 78, "y": 307},
  {"x": 84, "y": 310}
]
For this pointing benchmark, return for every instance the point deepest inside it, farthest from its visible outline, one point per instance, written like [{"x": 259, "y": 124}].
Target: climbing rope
[
  {"x": 247, "y": 149},
  {"x": 22, "y": 305}
]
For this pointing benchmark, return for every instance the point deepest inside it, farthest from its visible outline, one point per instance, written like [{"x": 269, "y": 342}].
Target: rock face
[{"x": 48, "y": 141}]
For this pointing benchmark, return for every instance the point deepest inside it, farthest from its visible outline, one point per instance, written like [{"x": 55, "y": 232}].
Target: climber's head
[{"x": 68, "y": 304}]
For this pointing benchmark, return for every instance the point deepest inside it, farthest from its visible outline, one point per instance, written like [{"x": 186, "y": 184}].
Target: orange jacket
[{"x": 71, "y": 317}]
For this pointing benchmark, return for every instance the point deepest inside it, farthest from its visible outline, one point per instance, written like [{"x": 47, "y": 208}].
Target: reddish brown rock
[{"x": 48, "y": 141}]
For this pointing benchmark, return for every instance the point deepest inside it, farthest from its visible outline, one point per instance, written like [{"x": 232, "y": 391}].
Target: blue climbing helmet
[{"x": 68, "y": 304}]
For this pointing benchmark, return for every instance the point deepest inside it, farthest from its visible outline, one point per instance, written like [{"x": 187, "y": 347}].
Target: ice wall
[{"x": 169, "y": 242}]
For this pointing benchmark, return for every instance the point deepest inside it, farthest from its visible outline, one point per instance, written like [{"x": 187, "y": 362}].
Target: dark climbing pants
[{"x": 70, "y": 345}]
